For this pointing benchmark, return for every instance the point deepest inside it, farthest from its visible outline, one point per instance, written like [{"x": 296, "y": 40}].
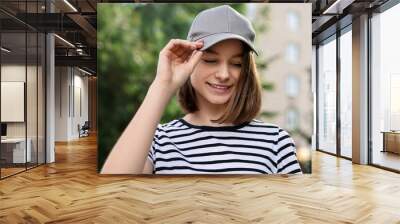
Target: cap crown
[{"x": 221, "y": 19}]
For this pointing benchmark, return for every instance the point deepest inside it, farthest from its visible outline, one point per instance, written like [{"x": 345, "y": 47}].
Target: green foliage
[
  {"x": 268, "y": 114},
  {"x": 261, "y": 26},
  {"x": 130, "y": 37},
  {"x": 267, "y": 85}
]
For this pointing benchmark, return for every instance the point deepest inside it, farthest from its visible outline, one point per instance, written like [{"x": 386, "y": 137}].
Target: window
[
  {"x": 292, "y": 53},
  {"x": 292, "y": 119},
  {"x": 327, "y": 96},
  {"x": 293, "y": 21},
  {"x": 292, "y": 86},
  {"x": 385, "y": 88},
  {"x": 346, "y": 94},
  {"x": 394, "y": 102}
]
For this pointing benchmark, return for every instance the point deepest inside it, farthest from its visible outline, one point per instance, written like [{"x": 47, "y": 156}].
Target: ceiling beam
[
  {"x": 84, "y": 61},
  {"x": 86, "y": 27}
]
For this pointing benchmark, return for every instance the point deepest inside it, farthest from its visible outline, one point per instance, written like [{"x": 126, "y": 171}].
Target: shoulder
[
  {"x": 280, "y": 133},
  {"x": 272, "y": 128},
  {"x": 173, "y": 125}
]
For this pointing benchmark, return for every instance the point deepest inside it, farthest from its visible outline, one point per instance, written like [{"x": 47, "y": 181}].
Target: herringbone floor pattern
[{"x": 70, "y": 191}]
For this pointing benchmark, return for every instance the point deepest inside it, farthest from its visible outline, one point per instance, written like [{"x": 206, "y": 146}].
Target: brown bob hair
[{"x": 245, "y": 103}]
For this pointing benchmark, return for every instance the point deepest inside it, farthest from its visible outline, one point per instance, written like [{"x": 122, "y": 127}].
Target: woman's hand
[{"x": 176, "y": 62}]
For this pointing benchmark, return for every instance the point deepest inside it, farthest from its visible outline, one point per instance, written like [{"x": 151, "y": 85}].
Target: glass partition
[
  {"x": 14, "y": 153},
  {"x": 22, "y": 88}
]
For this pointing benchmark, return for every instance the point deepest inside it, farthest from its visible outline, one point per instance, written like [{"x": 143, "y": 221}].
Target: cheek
[
  {"x": 199, "y": 75},
  {"x": 198, "y": 79},
  {"x": 236, "y": 75},
  {"x": 194, "y": 79}
]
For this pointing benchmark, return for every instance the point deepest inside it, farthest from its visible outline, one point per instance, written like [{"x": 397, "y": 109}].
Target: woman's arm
[
  {"x": 130, "y": 152},
  {"x": 176, "y": 62}
]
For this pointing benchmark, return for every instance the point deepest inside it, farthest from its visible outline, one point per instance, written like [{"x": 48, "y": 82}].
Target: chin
[
  {"x": 214, "y": 98},
  {"x": 218, "y": 100}
]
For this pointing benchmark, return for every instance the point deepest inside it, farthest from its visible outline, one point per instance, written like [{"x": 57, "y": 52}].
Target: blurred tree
[
  {"x": 130, "y": 37},
  {"x": 260, "y": 24}
]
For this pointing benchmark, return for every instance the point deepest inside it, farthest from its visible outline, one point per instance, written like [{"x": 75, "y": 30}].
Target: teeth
[{"x": 219, "y": 87}]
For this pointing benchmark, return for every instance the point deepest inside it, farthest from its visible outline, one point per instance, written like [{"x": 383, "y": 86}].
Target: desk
[
  {"x": 391, "y": 141},
  {"x": 17, "y": 151}
]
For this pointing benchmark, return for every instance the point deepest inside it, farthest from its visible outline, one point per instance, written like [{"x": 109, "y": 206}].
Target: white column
[
  {"x": 50, "y": 92},
  {"x": 360, "y": 90}
]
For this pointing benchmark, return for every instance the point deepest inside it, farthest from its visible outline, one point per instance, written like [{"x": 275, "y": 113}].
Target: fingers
[
  {"x": 178, "y": 43},
  {"x": 180, "y": 47},
  {"x": 188, "y": 52},
  {"x": 185, "y": 52}
]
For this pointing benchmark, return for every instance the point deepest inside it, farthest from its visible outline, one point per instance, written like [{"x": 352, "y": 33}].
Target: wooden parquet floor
[{"x": 71, "y": 191}]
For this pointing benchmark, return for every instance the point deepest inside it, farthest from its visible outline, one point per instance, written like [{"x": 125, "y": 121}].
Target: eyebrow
[{"x": 214, "y": 52}]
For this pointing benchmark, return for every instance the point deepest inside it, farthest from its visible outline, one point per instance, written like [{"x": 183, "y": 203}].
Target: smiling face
[
  {"x": 216, "y": 76},
  {"x": 225, "y": 79}
]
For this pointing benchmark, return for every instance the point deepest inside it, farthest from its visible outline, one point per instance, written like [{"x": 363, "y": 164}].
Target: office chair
[{"x": 84, "y": 130}]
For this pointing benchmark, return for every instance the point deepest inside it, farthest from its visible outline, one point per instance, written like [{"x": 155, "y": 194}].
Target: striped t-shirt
[{"x": 255, "y": 147}]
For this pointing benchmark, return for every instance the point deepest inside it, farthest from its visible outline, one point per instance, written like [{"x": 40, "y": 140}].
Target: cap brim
[{"x": 210, "y": 40}]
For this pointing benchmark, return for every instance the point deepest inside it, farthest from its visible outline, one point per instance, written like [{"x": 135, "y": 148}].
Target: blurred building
[{"x": 286, "y": 48}]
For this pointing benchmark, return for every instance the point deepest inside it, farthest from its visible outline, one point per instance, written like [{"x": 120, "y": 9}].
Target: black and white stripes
[{"x": 254, "y": 147}]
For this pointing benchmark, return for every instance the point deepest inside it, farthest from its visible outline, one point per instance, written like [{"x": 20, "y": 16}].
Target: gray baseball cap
[{"x": 221, "y": 23}]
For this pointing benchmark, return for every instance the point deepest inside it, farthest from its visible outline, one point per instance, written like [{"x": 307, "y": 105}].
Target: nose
[{"x": 223, "y": 73}]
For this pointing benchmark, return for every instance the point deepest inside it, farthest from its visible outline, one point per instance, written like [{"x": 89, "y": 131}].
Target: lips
[{"x": 218, "y": 88}]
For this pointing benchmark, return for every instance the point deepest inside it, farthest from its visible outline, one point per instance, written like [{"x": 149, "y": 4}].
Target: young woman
[{"x": 215, "y": 76}]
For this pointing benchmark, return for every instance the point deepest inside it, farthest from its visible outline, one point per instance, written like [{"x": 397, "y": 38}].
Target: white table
[{"x": 19, "y": 155}]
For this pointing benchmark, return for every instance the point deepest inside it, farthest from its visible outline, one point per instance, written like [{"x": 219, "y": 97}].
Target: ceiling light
[
  {"x": 64, "y": 40},
  {"x": 70, "y": 5},
  {"x": 5, "y": 49},
  {"x": 79, "y": 51},
  {"x": 84, "y": 71},
  {"x": 338, "y": 6}
]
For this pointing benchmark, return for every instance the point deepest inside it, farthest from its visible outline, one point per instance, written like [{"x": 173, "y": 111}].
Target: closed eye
[{"x": 209, "y": 61}]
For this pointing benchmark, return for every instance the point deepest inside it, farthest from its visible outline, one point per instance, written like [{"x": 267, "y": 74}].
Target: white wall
[
  {"x": 16, "y": 73},
  {"x": 61, "y": 103},
  {"x": 12, "y": 73},
  {"x": 71, "y": 94},
  {"x": 80, "y": 110}
]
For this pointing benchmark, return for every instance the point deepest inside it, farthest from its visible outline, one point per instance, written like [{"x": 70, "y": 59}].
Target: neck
[{"x": 206, "y": 113}]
